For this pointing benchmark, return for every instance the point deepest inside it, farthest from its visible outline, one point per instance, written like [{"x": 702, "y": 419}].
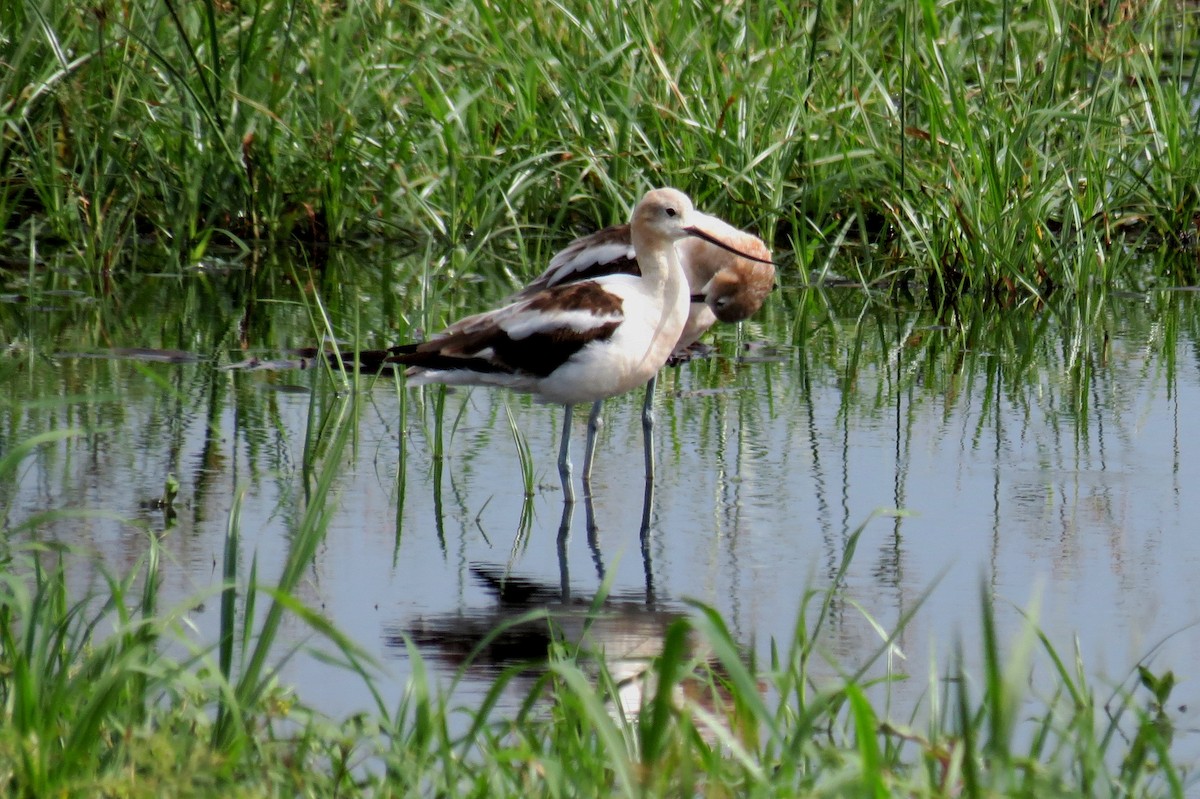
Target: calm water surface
[{"x": 1049, "y": 464}]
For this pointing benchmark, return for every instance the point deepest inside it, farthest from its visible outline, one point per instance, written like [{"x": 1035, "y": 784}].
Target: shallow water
[{"x": 1043, "y": 458}]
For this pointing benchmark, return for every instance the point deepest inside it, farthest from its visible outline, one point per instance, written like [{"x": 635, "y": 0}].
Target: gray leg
[
  {"x": 564, "y": 455},
  {"x": 647, "y": 560},
  {"x": 648, "y": 427},
  {"x": 564, "y": 537},
  {"x": 595, "y": 422}
]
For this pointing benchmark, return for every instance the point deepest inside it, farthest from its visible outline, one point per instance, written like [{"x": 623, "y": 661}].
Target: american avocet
[
  {"x": 726, "y": 284},
  {"x": 586, "y": 340}
]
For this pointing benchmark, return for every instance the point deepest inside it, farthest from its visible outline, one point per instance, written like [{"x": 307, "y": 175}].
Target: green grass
[{"x": 1000, "y": 147}]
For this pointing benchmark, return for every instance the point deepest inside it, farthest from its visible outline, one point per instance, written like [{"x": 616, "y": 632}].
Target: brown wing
[{"x": 533, "y": 336}]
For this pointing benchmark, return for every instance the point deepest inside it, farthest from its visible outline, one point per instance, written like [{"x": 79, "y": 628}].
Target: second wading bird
[{"x": 586, "y": 340}]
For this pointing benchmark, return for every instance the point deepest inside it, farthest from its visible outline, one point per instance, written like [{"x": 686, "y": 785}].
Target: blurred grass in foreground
[{"x": 107, "y": 694}]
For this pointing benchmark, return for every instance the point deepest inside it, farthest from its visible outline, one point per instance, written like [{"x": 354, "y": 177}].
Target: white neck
[
  {"x": 663, "y": 277},
  {"x": 658, "y": 260}
]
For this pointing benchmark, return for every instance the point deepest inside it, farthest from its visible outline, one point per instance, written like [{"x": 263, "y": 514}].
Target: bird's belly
[{"x": 603, "y": 369}]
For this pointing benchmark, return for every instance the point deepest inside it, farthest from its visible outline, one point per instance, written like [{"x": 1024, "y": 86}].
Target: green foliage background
[{"x": 988, "y": 143}]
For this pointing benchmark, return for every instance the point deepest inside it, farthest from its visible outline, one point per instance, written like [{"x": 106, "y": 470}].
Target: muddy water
[{"x": 1043, "y": 459}]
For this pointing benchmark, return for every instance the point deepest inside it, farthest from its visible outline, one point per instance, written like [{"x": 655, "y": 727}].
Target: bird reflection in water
[{"x": 531, "y": 619}]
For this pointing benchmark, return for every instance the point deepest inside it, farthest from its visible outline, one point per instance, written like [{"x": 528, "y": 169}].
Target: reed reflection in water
[{"x": 1043, "y": 454}]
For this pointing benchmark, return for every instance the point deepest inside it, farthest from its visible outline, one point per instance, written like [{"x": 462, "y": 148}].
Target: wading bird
[
  {"x": 726, "y": 283},
  {"x": 588, "y": 339}
]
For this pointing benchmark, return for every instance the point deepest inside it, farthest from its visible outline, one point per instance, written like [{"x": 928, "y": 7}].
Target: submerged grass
[{"x": 974, "y": 145}]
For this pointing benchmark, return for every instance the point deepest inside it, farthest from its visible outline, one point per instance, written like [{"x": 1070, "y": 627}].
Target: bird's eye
[{"x": 671, "y": 212}]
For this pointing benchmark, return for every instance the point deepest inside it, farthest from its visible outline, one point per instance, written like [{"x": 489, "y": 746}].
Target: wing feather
[
  {"x": 533, "y": 336},
  {"x": 605, "y": 252}
]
